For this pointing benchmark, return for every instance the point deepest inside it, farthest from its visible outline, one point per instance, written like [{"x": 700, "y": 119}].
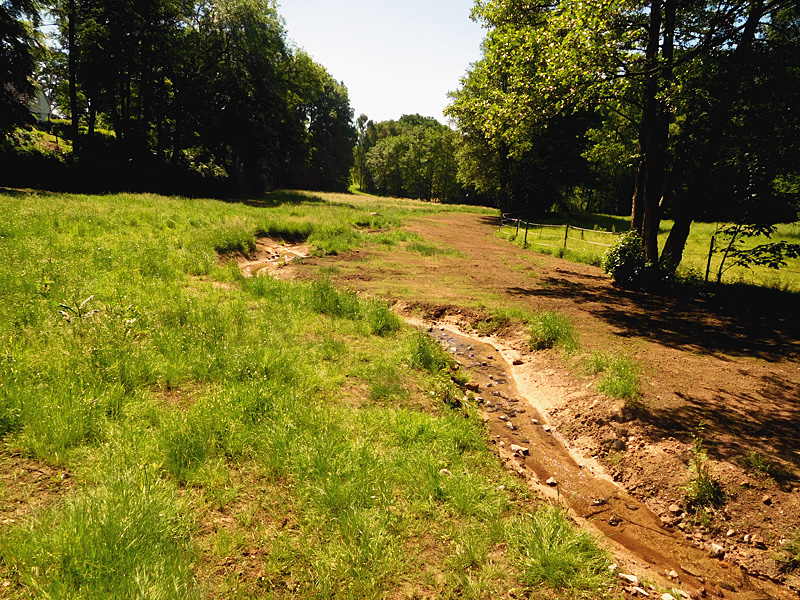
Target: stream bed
[{"x": 534, "y": 450}]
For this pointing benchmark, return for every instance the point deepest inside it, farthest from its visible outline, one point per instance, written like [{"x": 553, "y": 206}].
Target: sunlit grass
[
  {"x": 234, "y": 437},
  {"x": 587, "y": 247}
]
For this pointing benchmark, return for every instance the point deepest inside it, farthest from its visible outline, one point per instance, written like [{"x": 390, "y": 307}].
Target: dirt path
[{"x": 732, "y": 366}]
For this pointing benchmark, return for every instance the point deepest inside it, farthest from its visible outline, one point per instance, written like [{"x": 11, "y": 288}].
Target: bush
[{"x": 624, "y": 261}]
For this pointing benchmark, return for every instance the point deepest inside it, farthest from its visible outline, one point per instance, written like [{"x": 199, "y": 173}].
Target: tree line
[{"x": 207, "y": 87}]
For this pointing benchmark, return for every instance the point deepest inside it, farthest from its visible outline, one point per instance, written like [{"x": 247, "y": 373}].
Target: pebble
[
  {"x": 675, "y": 509},
  {"x": 632, "y": 579},
  {"x": 535, "y": 421},
  {"x": 551, "y": 482},
  {"x": 672, "y": 575},
  {"x": 767, "y": 499},
  {"x": 667, "y": 597},
  {"x": 717, "y": 551},
  {"x": 546, "y": 428},
  {"x": 444, "y": 472},
  {"x": 731, "y": 533},
  {"x": 521, "y": 449},
  {"x": 637, "y": 591}
]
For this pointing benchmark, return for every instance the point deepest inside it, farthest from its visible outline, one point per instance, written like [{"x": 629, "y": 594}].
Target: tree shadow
[
  {"x": 737, "y": 424},
  {"x": 278, "y": 198},
  {"x": 757, "y": 322}
]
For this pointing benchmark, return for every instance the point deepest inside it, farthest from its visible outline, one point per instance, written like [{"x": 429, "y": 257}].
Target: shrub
[{"x": 624, "y": 261}]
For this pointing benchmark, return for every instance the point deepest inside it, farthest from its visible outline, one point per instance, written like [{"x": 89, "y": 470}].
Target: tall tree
[{"x": 16, "y": 62}]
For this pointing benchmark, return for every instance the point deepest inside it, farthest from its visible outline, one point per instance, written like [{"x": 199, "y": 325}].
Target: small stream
[{"x": 536, "y": 452}]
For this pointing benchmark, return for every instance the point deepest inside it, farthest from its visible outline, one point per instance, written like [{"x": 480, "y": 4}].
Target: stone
[
  {"x": 535, "y": 421},
  {"x": 517, "y": 362},
  {"x": 767, "y": 499},
  {"x": 503, "y": 418},
  {"x": 672, "y": 575},
  {"x": 675, "y": 509},
  {"x": 618, "y": 445},
  {"x": 473, "y": 386},
  {"x": 637, "y": 591},
  {"x": 632, "y": 579},
  {"x": 445, "y": 472},
  {"x": 716, "y": 551},
  {"x": 614, "y": 520},
  {"x": 520, "y": 449},
  {"x": 551, "y": 482},
  {"x": 731, "y": 533},
  {"x": 667, "y": 597},
  {"x": 546, "y": 428},
  {"x": 511, "y": 426},
  {"x": 747, "y": 538}
]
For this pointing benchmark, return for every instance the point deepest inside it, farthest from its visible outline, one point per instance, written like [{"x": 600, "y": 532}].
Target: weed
[
  {"x": 789, "y": 557},
  {"x": 702, "y": 490},
  {"x": 550, "y": 329},
  {"x": 427, "y": 355},
  {"x": 758, "y": 462}
]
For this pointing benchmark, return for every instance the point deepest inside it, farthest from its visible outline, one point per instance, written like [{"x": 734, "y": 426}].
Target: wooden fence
[{"x": 558, "y": 236}]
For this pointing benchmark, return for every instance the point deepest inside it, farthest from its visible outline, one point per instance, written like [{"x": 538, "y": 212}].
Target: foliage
[
  {"x": 411, "y": 158},
  {"x": 211, "y": 87},
  {"x": 624, "y": 261},
  {"x": 16, "y": 63},
  {"x": 550, "y": 329}
]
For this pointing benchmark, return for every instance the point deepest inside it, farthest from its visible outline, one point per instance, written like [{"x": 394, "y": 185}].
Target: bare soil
[{"x": 723, "y": 370}]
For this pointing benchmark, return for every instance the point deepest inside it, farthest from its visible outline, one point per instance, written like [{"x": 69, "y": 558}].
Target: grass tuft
[
  {"x": 550, "y": 329},
  {"x": 620, "y": 375},
  {"x": 553, "y": 554}
]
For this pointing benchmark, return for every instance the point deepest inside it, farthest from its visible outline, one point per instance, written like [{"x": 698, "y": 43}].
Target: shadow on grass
[{"x": 278, "y": 198}]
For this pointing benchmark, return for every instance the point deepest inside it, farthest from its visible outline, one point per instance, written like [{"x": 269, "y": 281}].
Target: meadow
[
  {"x": 590, "y": 242},
  {"x": 203, "y": 434}
]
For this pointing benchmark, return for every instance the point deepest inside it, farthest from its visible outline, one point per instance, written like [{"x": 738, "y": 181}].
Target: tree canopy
[
  {"x": 670, "y": 97},
  {"x": 209, "y": 86}
]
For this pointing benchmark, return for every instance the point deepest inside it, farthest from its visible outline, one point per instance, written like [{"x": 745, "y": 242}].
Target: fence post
[
  {"x": 525, "y": 244},
  {"x": 566, "y": 233},
  {"x": 516, "y": 235},
  {"x": 710, "y": 252}
]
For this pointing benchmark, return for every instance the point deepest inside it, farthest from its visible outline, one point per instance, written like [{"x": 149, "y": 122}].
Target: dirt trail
[{"x": 728, "y": 364}]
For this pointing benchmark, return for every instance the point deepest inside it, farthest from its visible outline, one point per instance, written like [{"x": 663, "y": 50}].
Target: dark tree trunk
[
  {"x": 672, "y": 254},
  {"x": 73, "y": 74}
]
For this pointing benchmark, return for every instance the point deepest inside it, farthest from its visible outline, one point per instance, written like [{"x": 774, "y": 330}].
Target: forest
[{"x": 184, "y": 97}]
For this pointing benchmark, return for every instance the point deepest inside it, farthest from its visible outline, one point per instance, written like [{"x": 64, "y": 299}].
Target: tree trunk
[
  {"x": 647, "y": 173},
  {"x": 672, "y": 254},
  {"x": 73, "y": 73}
]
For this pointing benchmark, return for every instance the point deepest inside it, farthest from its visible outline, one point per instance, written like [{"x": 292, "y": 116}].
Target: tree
[
  {"x": 16, "y": 62},
  {"x": 623, "y": 57}
]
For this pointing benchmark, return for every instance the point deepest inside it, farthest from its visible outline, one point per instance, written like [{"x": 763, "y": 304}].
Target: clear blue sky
[{"x": 396, "y": 57}]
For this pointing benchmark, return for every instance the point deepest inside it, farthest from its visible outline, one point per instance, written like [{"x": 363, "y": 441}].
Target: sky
[{"x": 396, "y": 57}]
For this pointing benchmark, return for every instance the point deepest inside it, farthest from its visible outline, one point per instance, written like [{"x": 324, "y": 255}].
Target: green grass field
[
  {"x": 589, "y": 243},
  {"x": 242, "y": 438}
]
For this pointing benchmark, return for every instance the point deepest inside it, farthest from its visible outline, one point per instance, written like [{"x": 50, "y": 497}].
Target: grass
[
  {"x": 582, "y": 246},
  {"x": 620, "y": 375},
  {"x": 550, "y": 329},
  {"x": 233, "y": 437}
]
